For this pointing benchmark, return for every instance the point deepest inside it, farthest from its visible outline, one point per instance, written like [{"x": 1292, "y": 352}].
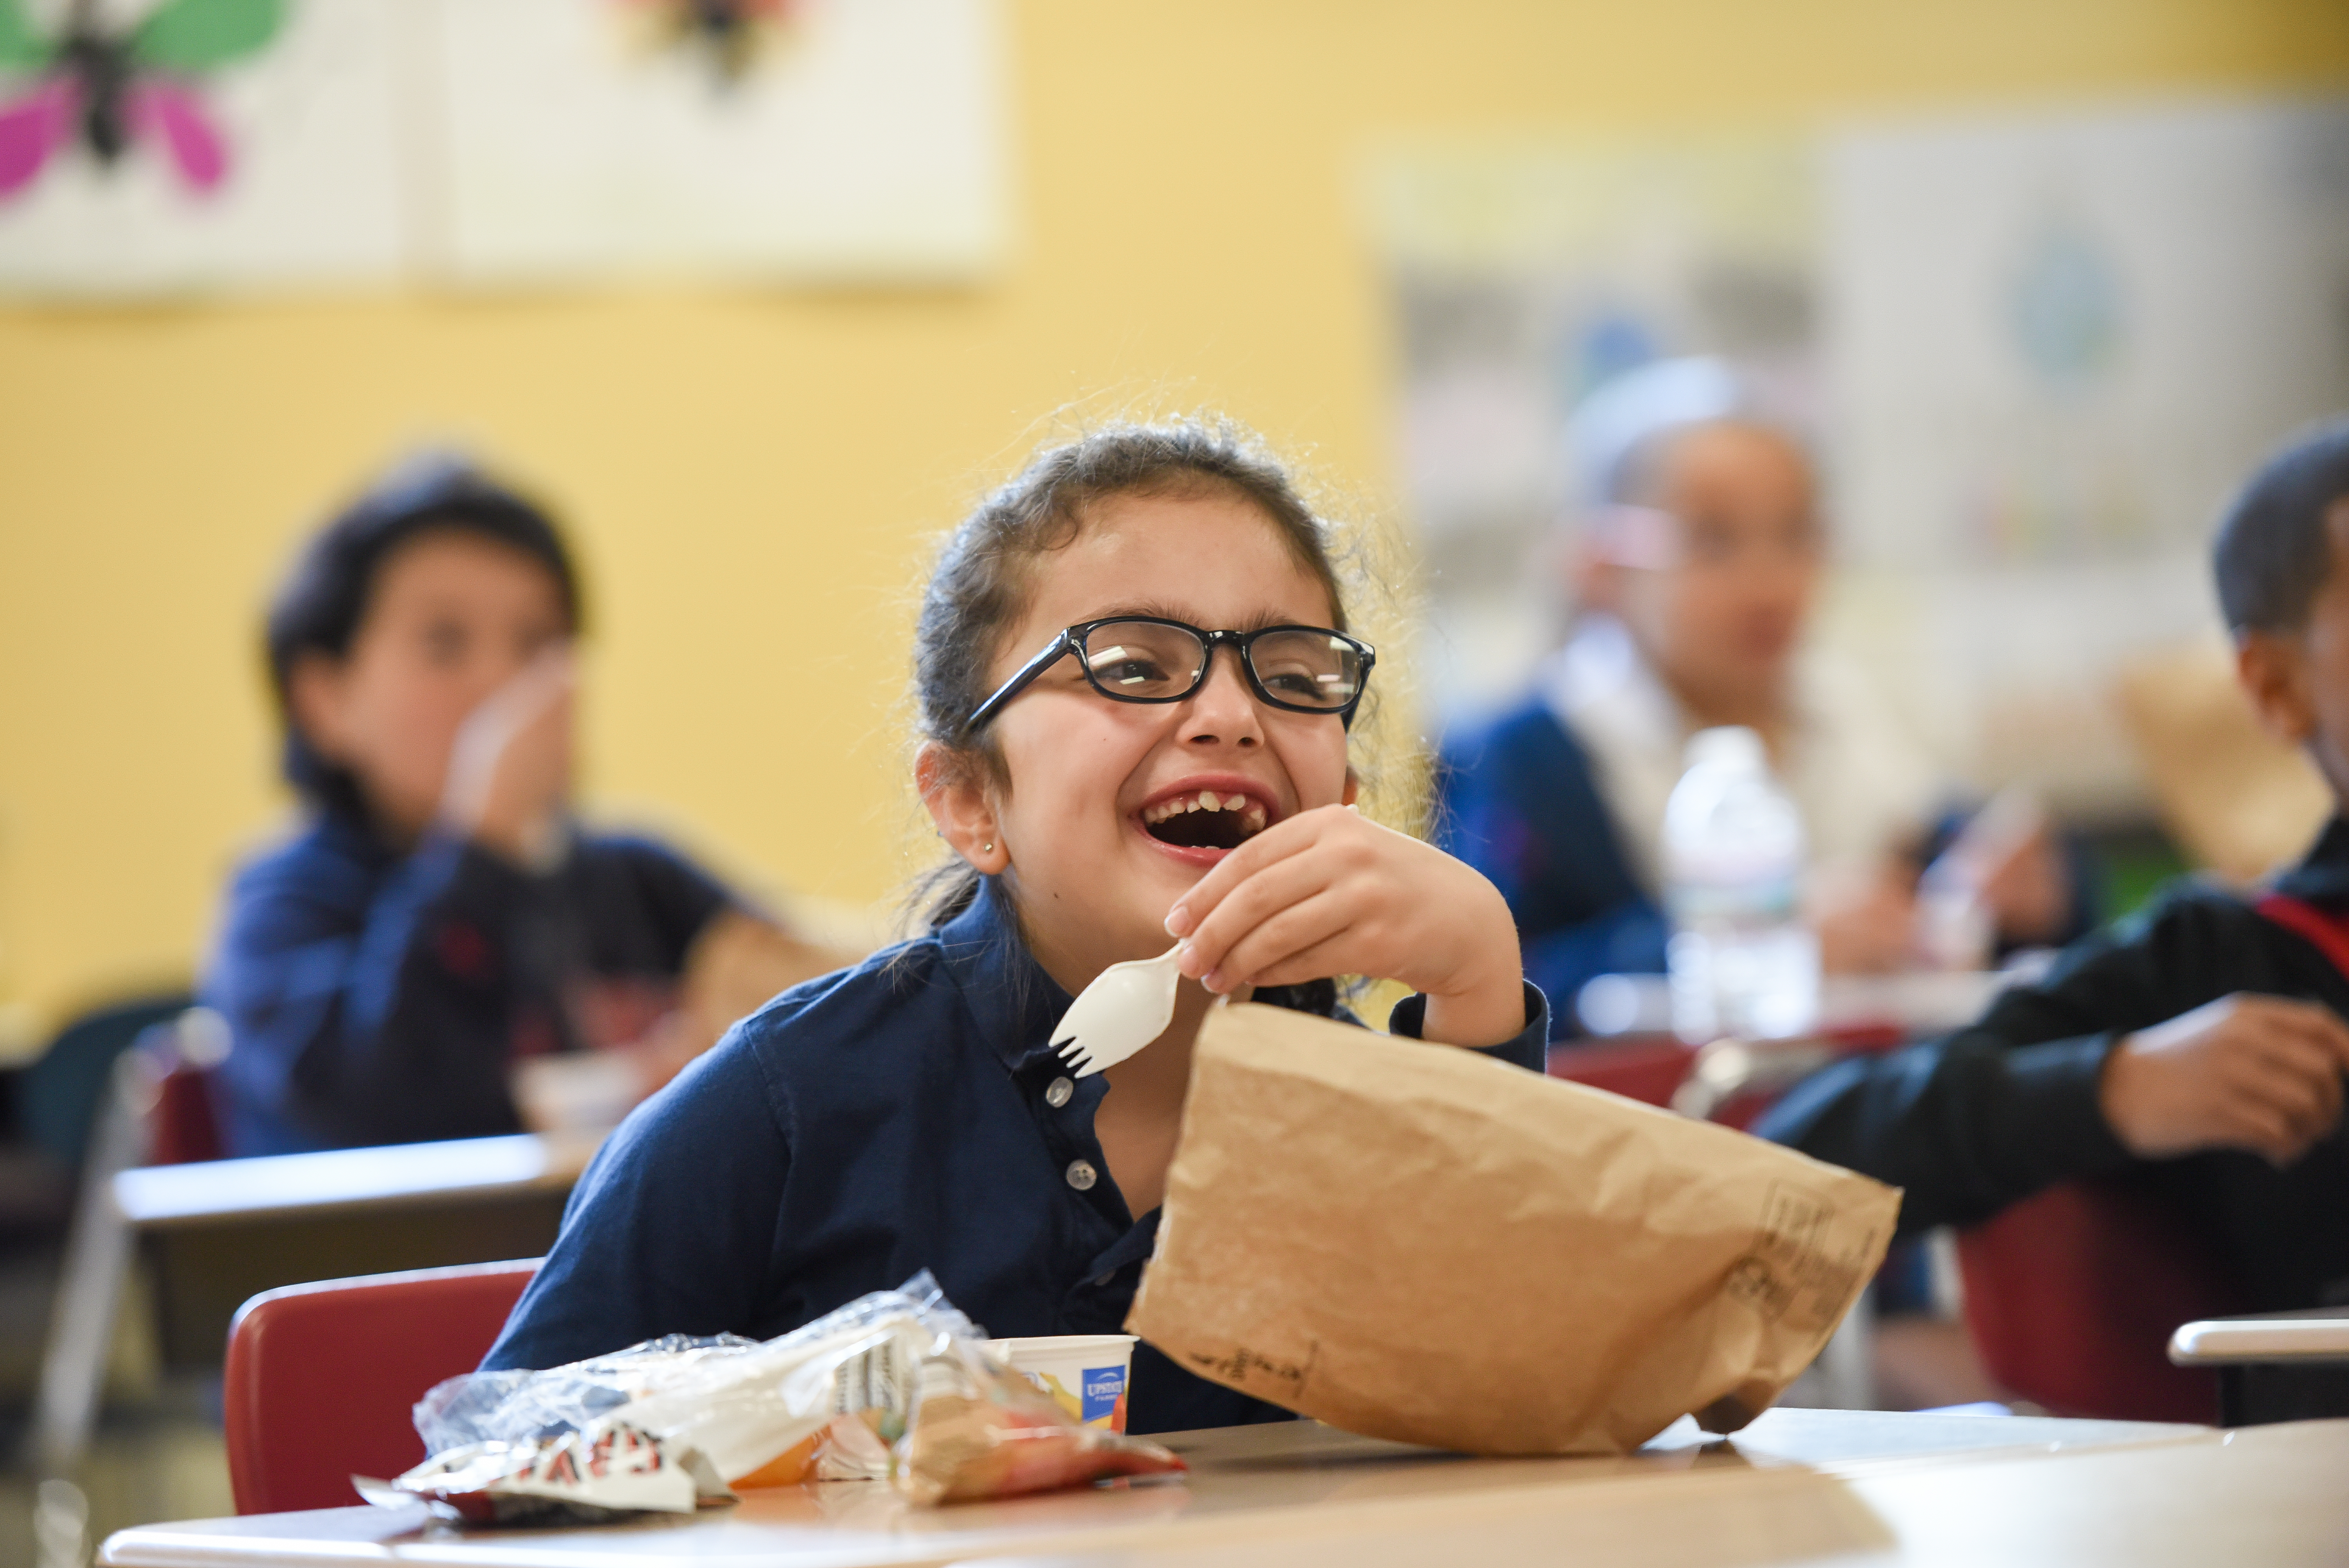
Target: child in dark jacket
[
  {"x": 2198, "y": 1046},
  {"x": 440, "y": 916}
]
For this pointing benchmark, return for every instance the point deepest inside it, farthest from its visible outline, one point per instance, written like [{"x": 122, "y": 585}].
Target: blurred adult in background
[
  {"x": 1697, "y": 553},
  {"x": 439, "y": 919}
]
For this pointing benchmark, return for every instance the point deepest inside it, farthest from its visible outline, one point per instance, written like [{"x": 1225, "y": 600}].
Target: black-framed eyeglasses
[{"x": 1141, "y": 658}]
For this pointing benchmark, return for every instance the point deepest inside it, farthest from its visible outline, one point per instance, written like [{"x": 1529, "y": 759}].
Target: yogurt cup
[{"x": 1085, "y": 1373}]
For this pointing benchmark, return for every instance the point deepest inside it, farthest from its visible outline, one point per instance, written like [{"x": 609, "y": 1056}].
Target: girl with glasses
[{"x": 1135, "y": 687}]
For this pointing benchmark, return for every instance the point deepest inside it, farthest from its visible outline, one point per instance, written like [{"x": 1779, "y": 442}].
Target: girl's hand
[
  {"x": 510, "y": 772},
  {"x": 1329, "y": 893}
]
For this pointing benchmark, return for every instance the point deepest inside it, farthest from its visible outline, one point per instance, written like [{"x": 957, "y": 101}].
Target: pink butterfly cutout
[
  {"x": 180, "y": 118},
  {"x": 37, "y": 124},
  {"x": 31, "y": 129}
]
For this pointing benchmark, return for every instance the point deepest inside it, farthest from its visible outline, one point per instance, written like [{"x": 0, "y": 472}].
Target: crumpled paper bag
[{"x": 1414, "y": 1242}]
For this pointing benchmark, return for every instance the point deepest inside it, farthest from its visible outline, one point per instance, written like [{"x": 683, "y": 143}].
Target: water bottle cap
[{"x": 1730, "y": 746}]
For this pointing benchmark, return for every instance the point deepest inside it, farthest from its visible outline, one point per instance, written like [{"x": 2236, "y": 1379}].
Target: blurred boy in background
[
  {"x": 440, "y": 917},
  {"x": 1699, "y": 555},
  {"x": 2199, "y": 1045}
]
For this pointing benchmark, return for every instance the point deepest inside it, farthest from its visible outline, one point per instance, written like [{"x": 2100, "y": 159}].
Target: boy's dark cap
[{"x": 2274, "y": 549}]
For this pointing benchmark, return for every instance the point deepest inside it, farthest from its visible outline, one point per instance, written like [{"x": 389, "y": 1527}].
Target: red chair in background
[
  {"x": 2072, "y": 1296},
  {"x": 1647, "y": 1068},
  {"x": 322, "y": 1379},
  {"x": 1730, "y": 1081},
  {"x": 182, "y": 1125}
]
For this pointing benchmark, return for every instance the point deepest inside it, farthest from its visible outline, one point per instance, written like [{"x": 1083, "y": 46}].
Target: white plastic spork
[{"x": 1127, "y": 1006}]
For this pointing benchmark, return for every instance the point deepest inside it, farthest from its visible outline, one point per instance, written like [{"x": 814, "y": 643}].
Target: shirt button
[
  {"x": 1057, "y": 1094},
  {"x": 1081, "y": 1175}
]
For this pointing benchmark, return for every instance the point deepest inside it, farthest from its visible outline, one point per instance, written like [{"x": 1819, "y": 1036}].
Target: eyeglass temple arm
[{"x": 1052, "y": 653}]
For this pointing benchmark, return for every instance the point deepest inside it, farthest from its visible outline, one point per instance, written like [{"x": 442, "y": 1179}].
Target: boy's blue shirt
[
  {"x": 891, "y": 1118},
  {"x": 378, "y": 995}
]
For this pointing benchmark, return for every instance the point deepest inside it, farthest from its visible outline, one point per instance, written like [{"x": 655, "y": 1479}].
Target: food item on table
[
  {"x": 678, "y": 1423},
  {"x": 1421, "y": 1243},
  {"x": 1084, "y": 1373},
  {"x": 606, "y": 1470},
  {"x": 981, "y": 1430}
]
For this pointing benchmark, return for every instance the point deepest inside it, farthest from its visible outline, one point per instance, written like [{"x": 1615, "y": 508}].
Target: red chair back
[
  {"x": 1647, "y": 1068},
  {"x": 322, "y": 1379},
  {"x": 170, "y": 1082},
  {"x": 182, "y": 1128},
  {"x": 2072, "y": 1296}
]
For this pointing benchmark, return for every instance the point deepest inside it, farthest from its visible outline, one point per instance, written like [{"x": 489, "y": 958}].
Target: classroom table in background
[
  {"x": 1913, "y": 1003},
  {"x": 1631, "y": 1050},
  {"x": 217, "y": 1232},
  {"x": 1797, "y": 1486}
]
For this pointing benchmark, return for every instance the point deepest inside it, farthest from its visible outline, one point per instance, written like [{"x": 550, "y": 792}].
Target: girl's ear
[
  {"x": 2273, "y": 670},
  {"x": 317, "y": 705},
  {"x": 951, "y": 788}
]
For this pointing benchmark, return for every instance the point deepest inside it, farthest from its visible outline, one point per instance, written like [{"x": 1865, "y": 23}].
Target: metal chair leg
[{"x": 89, "y": 1289}]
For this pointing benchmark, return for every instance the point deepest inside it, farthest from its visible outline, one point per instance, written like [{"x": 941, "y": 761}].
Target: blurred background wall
[{"x": 751, "y": 473}]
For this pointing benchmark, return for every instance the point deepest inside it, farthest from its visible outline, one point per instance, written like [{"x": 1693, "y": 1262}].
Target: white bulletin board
[{"x": 510, "y": 143}]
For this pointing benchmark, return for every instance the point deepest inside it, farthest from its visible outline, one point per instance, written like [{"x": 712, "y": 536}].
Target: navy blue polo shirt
[{"x": 906, "y": 1114}]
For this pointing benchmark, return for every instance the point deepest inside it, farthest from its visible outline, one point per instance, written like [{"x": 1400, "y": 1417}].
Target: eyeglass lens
[{"x": 1144, "y": 660}]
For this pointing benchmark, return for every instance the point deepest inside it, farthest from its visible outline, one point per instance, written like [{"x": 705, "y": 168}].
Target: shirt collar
[
  {"x": 1015, "y": 1004},
  {"x": 352, "y": 836},
  {"x": 1018, "y": 1006}
]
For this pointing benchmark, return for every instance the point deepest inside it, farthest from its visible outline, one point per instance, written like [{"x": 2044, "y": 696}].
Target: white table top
[
  {"x": 218, "y": 1191},
  {"x": 1796, "y": 1479}
]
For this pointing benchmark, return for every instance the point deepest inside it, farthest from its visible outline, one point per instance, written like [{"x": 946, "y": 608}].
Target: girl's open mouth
[{"x": 1204, "y": 820}]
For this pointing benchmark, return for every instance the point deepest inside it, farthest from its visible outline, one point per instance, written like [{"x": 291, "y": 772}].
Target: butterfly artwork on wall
[
  {"x": 727, "y": 32},
  {"x": 114, "y": 87}
]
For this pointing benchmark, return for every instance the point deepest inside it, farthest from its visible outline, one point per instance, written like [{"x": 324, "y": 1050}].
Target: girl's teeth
[{"x": 1208, "y": 799}]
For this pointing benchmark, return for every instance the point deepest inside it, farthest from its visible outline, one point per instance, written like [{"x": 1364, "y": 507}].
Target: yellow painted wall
[{"x": 749, "y": 473}]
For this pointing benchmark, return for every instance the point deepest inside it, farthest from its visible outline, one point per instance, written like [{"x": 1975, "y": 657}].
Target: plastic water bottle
[{"x": 1743, "y": 962}]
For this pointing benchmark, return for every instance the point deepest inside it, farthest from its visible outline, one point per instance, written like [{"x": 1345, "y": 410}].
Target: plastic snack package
[
  {"x": 678, "y": 1423},
  {"x": 745, "y": 1403},
  {"x": 606, "y": 1470},
  {"x": 982, "y": 1430}
]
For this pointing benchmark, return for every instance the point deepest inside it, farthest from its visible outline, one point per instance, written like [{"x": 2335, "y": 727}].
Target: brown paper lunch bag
[{"x": 1414, "y": 1242}]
